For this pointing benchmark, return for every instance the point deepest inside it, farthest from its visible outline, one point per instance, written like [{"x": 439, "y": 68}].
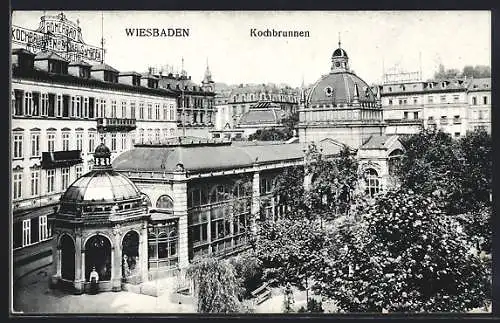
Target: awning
[{"x": 58, "y": 159}]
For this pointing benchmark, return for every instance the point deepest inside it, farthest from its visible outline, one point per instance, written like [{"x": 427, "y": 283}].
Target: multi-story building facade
[
  {"x": 60, "y": 112},
  {"x": 453, "y": 105},
  {"x": 195, "y": 113},
  {"x": 242, "y": 97},
  {"x": 479, "y": 99}
]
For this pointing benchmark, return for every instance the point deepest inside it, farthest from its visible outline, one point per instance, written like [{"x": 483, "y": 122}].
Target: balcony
[
  {"x": 457, "y": 121},
  {"x": 431, "y": 121},
  {"x": 116, "y": 124},
  {"x": 419, "y": 122},
  {"x": 59, "y": 159},
  {"x": 443, "y": 121}
]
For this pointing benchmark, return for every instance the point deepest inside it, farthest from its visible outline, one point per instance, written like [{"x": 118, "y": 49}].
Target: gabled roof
[
  {"x": 129, "y": 73},
  {"x": 44, "y": 55},
  {"x": 382, "y": 142},
  {"x": 103, "y": 67}
]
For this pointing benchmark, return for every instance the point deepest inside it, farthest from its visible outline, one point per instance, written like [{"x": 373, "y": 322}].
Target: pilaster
[{"x": 179, "y": 188}]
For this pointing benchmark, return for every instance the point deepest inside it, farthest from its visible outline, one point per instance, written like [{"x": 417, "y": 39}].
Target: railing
[
  {"x": 63, "y": 158},
  {"x": 405, "y": 121},
  {"x": 116, "y": 124}
]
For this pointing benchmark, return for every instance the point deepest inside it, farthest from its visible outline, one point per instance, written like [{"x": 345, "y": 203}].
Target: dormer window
[
  {"x": 110, "y": 77},
  {"x": 430, "y": 85}
]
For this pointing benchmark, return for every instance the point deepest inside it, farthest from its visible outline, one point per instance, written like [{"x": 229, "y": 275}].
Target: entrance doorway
[
  {"x": 67, "y": 258},
  {"x": 98, "y": 255},
  {"x": 130, "y": 258}
]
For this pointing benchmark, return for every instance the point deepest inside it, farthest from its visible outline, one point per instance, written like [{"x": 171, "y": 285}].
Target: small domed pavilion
[{"x": 101, "y": 223}]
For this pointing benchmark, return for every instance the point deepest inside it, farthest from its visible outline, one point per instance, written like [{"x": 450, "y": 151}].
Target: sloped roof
[
  {"x": 262, "y": 117},
  {"x": 208, "y": 158},
  {"x": 480, "y": 84},
  {"x": 382, "y": 142},
  {"x": 48, "y": 55},
  {"x": 104, "y": 67},
  {"x": 79, "y": 63},
  {"x": 22, "y": 51}
]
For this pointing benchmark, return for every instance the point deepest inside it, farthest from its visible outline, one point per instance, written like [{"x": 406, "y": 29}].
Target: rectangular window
[
  {"x": 43, "y": 232},
  {"x": 36, "y": 104},
  {"x": 17, "y": 182},
  {"x": 390, "y": 101},
  {"x": 78, "y": 101},
  {"x": 45, "y": 104},
  {"x": 65, "y": 110},
  {"x": 65, "y": 140},
  {"x": 124, "y": 141},
  {"x": 457, "y": 134},
  {"x": 157, "y": 135},
  {"x": 474, "y": 100},
  {"x": 141, "y": 111},
  {"x": 102, "y": 112},
  {"x": 456, "y": 98},
  {"x": 157, "y": 111},
  {"x": 430, "y": 99},
  {"x": 26, "y": 232},
  {"x": 85, "y": 107},
  {"x": 79, "y": 141},
  {"x": 480, "y": 116},
  {"x": 79, "y": 171},
  {"x": 91, "y": 141},
  {"x": 91, "y": 107},
  {"x": 18, "y": 145},
  {"x": 415, "y": 115},
  {"x": 35, "y": 144},
  {"x": 485, "y": 100},
  {"x": 51, "y": 175},
  {"x": 405, "y": 115},
  {"x": 28, "y": 103},
  {"x": 64, "y": 178},
  {"x": 113, "y": 142},
  {"x": 35, "y": 182},
  {"x": 442, "y": 98},
  {"x": 132, "y": 110},
  {"x": 150, "y": 111},
  {"x": 113, "y": 109},
  {"x": 59, "y": 109},
  {"x": 73, "y": 112},
  {"x": 415, "y": 100},
  {"x": 18, "y": 105},
  {"x": 172, "y": 113},
  {"x": 51, "y": 110},
  {"x": 124, "y": 109},
  {"x": 165, "y": 112}
]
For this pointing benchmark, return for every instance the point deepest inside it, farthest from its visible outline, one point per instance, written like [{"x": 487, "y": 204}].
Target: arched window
[
  {"x": 372, "y": 182},
  {"x": 394, "y": 161},
  {"x": 165, "y": 202}
]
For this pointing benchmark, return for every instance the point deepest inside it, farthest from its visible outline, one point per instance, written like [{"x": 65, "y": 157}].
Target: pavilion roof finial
[{"x": 339, "y": 39}]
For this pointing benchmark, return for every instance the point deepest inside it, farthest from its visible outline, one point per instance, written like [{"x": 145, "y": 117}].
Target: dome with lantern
[
  {"x": 101, "y": 190},
  {"x": 340, "y": 87}
]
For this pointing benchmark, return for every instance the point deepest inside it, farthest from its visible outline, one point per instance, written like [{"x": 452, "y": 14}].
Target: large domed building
[
  {"x": 102, "y": 224},
  {"x": 340, "y": 106}
]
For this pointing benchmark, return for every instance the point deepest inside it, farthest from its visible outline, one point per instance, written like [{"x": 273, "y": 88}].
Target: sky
[{"x": 376, "y": 41}]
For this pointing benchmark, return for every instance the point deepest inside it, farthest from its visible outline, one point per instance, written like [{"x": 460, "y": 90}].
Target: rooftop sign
[{"x": 58, "y": 34}]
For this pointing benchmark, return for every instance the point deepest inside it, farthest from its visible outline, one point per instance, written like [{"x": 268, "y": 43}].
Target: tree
[
  {"x": 291, "y": 250},
  {"x": 404, "y": 255},
  {"x": 443, "y": 73},
  {"x": 216, "y": 285},
  {"x": 429, "y": 165},
  {"x": 477, "y": 71},
  {"x": 248, "y": 269},
  {"x": 289, "y": 191},
  {"x": 269, "y": 134}
]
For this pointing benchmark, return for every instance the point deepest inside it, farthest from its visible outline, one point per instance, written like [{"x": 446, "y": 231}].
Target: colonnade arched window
[
  {"x": 165, "y": 202},
  {"x": 372, "y": 182},
  {"x": 163, "y": 245}
]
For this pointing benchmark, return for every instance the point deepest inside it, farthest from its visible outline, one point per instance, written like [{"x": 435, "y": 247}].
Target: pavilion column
[
  {"x": 255, "y": 201},
  {"x": 116, "y": 262},
  {"x": 143, "y": 253},
  {"x": 56, "y": 262},
  {"x": 180, "y": 210},
  {"x": 79, "y": 283}
]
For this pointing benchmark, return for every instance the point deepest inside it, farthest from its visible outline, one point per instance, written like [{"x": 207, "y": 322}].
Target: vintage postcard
[{"x": 290, "y": 162}]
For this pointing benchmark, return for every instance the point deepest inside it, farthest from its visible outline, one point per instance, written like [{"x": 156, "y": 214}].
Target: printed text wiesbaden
[{"x": 157, "y": 32}]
